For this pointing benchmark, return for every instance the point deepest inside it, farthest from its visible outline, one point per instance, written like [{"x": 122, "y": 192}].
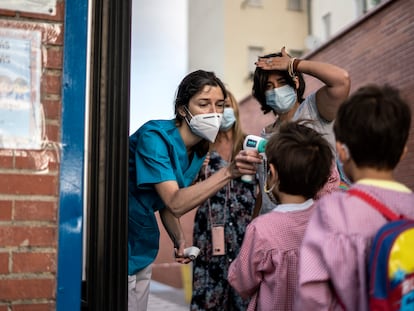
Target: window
[
  {"x": 294, "y": 5},
  {"x": 326, "y": 19},
  {"x": 295, "y": 53},
  {"x": 361, "y": 7},
  {"x": 252, "y": 3}
]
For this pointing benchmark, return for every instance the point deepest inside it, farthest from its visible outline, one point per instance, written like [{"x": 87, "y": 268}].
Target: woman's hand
[
  {"x": 245, "y": 163},
  {"x": 274, "y": 63},
  {"x": 179, "y": 253}
]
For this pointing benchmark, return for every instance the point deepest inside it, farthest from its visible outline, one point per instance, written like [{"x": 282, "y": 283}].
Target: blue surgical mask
[
  {"x": 228, "y": 119},
  {"x": 281, "y": 99}
]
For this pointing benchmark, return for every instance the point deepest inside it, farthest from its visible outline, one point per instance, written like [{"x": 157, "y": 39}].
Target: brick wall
[
  {"x": 379, "y": 49},
  {"x": 29, "y": 184}
]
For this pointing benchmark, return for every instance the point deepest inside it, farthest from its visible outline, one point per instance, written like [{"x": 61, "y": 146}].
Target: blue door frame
[{"x": 70, "y": 226}]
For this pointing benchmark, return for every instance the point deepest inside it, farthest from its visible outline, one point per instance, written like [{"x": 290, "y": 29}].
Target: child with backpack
[{"x": 371, "y": 130}]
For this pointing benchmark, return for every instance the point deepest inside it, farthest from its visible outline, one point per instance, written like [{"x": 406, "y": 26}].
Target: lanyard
[{"x": 225, "y": 203}]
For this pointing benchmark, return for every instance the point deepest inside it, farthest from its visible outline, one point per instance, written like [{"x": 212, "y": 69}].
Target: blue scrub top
[{"x": 157, "y": 153}]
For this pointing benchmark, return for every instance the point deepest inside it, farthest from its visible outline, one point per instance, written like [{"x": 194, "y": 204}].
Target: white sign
[
  {"x": 20, "y": 108},
  {"x": 32, "y": 6}
]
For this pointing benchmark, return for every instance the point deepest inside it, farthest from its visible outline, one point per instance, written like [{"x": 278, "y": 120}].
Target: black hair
[
  {"x": 374, "y": 122},
  {"x": 261, "y": 76},
  {"x": 301, "y": 157}
]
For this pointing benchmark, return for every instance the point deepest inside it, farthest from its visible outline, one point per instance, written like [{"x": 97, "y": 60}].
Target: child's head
[
  {"x": 299, "y": 160},
  {"x": 373, "y": 124}
]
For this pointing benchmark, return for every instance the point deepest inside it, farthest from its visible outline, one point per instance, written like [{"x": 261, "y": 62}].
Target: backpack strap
[{"x": 379, "y": 206}]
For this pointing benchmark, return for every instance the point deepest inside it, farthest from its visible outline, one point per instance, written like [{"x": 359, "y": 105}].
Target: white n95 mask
[
  {"x": 281, "y": 99},
  {"x": 205, "y": 125},
  {"x": 228, "y": 119}
]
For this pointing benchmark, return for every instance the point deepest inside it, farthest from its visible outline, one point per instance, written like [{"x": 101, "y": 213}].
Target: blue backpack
[{"x": 391, "y": 260}]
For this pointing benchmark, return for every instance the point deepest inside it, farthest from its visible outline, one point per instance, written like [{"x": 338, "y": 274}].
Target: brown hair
[{"x": 301, "y": 157}]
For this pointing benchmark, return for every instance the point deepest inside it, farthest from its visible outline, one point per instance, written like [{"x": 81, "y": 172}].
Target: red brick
[
  {"x": 28, "y": 184},
  {"x": 52, "y": 108},
  {"x": 7, "y": 13},
  {"x": 54, "y": 57},
  {"x": 34, "y": 307},
  {"x": 35, "y": 210},
  {"x": 53, "y": 132},
  {"x": 29, "y": 160},
  {"x": 4, "y": 263},
  {"x": 27, "y": 236},
  {"x": 5, "y": 210},
  {"x": 27, "y": 289},
  {"x": 6, "y": 161},
  {"x": 33, "y": 262},
  {"x": 4, "y": 307},
  {"x": 38, "y": 160},
  {"x": 51, "y": 83}
]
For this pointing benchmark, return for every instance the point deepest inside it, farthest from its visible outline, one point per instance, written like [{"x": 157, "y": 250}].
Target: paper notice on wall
[
  {"x": 32, "y": 6},
  {"x": 20, "y": 108}
]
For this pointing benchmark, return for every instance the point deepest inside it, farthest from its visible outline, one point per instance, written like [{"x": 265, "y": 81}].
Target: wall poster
[{"x": 20, "y": 71}]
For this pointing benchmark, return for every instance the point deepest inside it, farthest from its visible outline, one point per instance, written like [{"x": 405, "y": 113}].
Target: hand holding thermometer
[{"x": 253, "y": 142}]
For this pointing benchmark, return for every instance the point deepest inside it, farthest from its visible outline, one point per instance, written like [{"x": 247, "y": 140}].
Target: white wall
[
  {"x": 342, "y": 14},
  {"x": 158, "y": 58},
  {"x": 206, "y": 36}
]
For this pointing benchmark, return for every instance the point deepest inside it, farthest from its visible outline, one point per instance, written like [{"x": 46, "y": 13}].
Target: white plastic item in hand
[
  {"x": 191, "y": 252},
  {"x": 253, "y": 142}
]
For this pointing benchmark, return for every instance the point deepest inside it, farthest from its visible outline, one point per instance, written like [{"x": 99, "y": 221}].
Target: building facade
[{"x": 228, "y": 36}]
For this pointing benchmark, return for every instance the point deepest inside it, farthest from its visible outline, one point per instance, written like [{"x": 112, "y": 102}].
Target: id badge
[{"x": 217, "y": 237}]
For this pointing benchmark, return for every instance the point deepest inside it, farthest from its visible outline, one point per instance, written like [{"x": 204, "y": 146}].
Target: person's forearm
[
  {"x": 336, "y": 88},
  {"x": 173, "y": 227},
  {"x": 185, "y": 199},
  {"x": 182, "y": 200},
  {"x": 330, "y": 75}
]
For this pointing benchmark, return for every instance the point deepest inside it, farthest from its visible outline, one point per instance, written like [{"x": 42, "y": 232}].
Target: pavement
[{"x": 166, "y": 298}]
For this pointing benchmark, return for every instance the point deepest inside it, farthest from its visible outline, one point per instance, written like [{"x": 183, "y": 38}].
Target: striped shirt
[
  {"x": 334, "y": 254},
  {"x": 266, "y": 268}
]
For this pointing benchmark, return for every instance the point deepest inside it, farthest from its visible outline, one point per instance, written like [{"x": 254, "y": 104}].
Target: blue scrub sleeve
[{"x": 153, "y": 159}]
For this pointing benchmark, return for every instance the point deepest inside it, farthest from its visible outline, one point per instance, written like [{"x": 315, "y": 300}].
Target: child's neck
[
  {"x": 373, "y": 173},
  {"x": 285, "y": 198}
]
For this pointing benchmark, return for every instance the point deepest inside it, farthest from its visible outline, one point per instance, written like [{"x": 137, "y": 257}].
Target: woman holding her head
[{"x": 279, "y": 86}]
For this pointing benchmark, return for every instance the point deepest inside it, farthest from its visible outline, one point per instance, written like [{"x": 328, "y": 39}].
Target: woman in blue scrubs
[{"x": 164, "y": 159}]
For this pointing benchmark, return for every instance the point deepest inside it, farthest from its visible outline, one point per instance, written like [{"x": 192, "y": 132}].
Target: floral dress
[{"x": 232, "y": 207}]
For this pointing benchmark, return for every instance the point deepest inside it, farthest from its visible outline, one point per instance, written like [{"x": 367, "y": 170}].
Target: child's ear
[
  {"x": 342, "y": 151},
  {"x": 404, "y": 153},
  {"x": 273, "y": 175}
]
